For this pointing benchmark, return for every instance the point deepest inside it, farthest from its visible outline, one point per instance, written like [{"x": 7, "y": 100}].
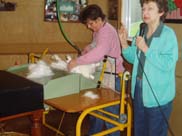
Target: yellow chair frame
[
  {"x": 125, "y": 108},
  {"x": 32, "y": 57},
  {"x": 122, "y": 99}
]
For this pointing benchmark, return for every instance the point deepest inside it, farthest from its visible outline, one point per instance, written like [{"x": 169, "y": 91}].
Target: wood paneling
[{"x": 25, "y": 30}]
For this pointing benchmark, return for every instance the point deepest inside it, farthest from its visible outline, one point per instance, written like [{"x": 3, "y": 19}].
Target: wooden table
[
  {"x": 86, "y": 105},
  {"x": 36, "y": 117},
  {"x": 78, "y": 102},
  {"x": 21, "y": 97}
]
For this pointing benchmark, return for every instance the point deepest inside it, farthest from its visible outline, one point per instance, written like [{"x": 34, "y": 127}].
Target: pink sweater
[{"x": 105, "y": 42}]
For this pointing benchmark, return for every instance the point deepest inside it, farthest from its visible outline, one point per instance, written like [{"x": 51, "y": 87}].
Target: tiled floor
[
  {"x": 68, "y": 127},
  {"x": 22, "y": 125},
  {"x": 53, "y": 118}
]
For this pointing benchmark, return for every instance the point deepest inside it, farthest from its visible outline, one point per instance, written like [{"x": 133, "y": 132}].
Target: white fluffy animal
[
  {"x": 38, "y": 70},
  {"x": 58, "y": 63},
  {"x": 85, "y": 70}
]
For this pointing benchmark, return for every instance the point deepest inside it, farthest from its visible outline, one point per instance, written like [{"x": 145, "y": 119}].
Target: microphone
[
  {"x": 142, "y": 29},
  {"x": 141, "y": 33}
]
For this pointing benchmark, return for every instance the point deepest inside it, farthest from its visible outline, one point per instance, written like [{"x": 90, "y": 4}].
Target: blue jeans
[
  {"x": 96, "y": 124},
  {"x": 149, "y": 121}
]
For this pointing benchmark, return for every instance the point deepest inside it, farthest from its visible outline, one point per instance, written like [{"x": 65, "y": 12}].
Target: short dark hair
[
  {"x": 162, "y": 5},
  {"x": 91, "y": 12}
]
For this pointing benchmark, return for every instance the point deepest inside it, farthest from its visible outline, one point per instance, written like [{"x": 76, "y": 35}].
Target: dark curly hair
[
  {"x": 162, "y": 5},
  {"x": 91, "y": 12}
]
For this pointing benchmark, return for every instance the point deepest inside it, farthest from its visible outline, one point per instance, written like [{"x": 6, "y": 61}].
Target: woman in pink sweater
[
  {"x": 105, "y": 42},
  {"x": 105, "y": 39}
]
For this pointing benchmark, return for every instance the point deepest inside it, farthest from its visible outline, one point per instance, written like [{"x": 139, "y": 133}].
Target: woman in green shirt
[{"x": 154, "y": 55}]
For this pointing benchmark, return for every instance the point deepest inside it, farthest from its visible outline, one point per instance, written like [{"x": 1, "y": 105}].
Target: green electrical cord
[{"x": 61, "y": 28}]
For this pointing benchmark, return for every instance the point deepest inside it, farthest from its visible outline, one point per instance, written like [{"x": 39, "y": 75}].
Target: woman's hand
[
  {"x": 123, "y": 36},
  {"x": 72, "y": 64},
  {"x": 84, "y": 52},
  {"x": 141, "y": 44}
]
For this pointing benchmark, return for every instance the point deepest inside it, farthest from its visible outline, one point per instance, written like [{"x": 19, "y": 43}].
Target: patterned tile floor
[{"x": 22, "y": 125}]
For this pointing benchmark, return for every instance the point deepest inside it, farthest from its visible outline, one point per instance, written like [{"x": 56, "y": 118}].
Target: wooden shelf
[{"x": 24, "y": 48}]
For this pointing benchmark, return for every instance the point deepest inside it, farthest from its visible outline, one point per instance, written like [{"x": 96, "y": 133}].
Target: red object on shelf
[
  {"x": 16, "y": 63},
  {"x": 179, "y": 5}
]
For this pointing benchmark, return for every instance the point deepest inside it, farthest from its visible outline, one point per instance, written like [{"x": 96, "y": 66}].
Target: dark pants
[{"x": 149, "y": 121}]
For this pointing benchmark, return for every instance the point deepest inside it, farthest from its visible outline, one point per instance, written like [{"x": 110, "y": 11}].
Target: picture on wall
[
  {"x": 69, "y": 10},
  {"x": 113, "y": 9},
  {"x": 175, "y": 12}
]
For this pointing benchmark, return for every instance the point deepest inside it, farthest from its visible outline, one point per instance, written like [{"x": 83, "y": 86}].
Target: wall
[
  {"x": 24, "y": 31},
  {"x": 176, "y": 119}
]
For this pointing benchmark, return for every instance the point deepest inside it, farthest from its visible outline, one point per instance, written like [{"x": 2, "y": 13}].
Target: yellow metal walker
[
  {"x": 70, "y": 98},
  {"x": 95, "y": 107},
  {"x": 32, "y": 58}
]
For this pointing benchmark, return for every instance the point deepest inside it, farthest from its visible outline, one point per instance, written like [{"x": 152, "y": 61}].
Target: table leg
[{"x": 36, "y": 129}]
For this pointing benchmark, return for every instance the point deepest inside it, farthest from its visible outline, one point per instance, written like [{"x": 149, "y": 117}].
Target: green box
[{"x": 61, "y": 83}]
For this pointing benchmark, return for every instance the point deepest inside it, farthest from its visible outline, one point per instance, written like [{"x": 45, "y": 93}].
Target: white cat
[
  {"x": 38, "y": 70},
  {"x": 85, "y": 70},
  {"x": 58, "y": 63}
]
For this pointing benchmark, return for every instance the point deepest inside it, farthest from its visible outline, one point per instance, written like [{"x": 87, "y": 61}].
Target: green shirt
[
  {"x": 148, "y": 41},
  {"x": 159, "y": 67}
]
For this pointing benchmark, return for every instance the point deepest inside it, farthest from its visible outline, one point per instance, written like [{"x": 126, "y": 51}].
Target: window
[{"x": 131, "y": 16}]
